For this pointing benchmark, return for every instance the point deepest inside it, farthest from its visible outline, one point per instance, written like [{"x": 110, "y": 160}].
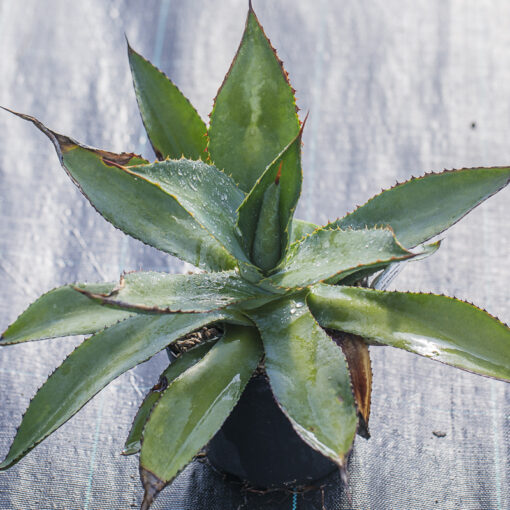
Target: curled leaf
[
  {"x": 357, "y": 356},
  {"x": 277, "y": 190},
  {"x": 267, "y": 240}
]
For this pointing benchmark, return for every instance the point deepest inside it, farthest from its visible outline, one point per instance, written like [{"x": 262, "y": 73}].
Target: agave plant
[{"x": 298, "y": 301}]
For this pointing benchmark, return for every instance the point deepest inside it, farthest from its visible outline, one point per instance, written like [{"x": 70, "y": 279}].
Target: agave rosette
[{"x": 283, "y": 295}]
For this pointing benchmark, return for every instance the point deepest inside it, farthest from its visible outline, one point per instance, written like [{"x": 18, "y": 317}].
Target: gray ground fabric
[{"x": 394, "y": 89}]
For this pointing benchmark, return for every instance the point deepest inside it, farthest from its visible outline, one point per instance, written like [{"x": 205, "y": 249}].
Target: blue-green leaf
[
  {"x": 254, "y": 115},
  {"x": 309, "y": 377},
  {"x": 194, "y": 406},
  {"x": 301, "y": 228},
  {"x": 63, "y": 312},
  {"x": 176, "y": 368},
  {"x": 438, "y": 327},
  {"x": 208, "y": 195},
  {"x": 95, "y": 363},
  {"x": 169, "y": 293},
  {"x": 267, "y": 211},
  {"x": 173, "y": 125},
  {"x": 423, "y": 207},
  {"x": 334, "y": 254},
  {"x": 134, "y": 204}
]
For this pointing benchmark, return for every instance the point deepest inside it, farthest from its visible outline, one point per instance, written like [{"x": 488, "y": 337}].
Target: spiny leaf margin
[
  {"x": 438, "y": 327},
  {"x": 417, "y": 202},
  {"x": 244, "y": 173},
  {"x": 173, "y": 125}
]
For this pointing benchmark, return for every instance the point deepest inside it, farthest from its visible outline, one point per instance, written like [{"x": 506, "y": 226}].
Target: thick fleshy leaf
[
  {"x": 309, "y": 377},
  {"x": 173, "y": 125},
  {"x": 284, "y": 174},
  {"x": 335, "y": 254},
  {"x": 63, "y": 312},
  {"x": 267, "y": 241},
  {"x": 194, "y": 406},
  {"x": 424, "y": 207},
  {"x": 135, "y": 205},
  {"x": 358, "y": 360},
  {"x": 170, "y": 293},
  {"x": 439, "y": 327},
  {"x": 254, "y": 115},
  {"x": 176, "y": 368},
  {"x": 390, "y": 271},
  {"x": 91, "y": 366},
  {"x": 210, "y": 196},
  {"x": 301, "y": 228}
]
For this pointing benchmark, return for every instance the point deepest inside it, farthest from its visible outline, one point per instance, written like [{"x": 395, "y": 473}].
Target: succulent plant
[{"x": 299, "y": 301}]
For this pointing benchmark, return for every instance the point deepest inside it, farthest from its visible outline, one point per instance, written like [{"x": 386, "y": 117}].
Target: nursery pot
[{"x": 257, "y": 444}]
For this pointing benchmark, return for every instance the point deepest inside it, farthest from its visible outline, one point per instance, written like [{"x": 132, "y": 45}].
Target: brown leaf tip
[
  {"x": 62, "y": 143},
  {"x": 161, "y": 385},
  {"x": 152, "y": 486}
]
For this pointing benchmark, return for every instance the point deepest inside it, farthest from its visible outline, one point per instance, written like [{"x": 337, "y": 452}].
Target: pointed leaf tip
[
  {"x": 94, "y": 364},
  {"x": 358, "y": 360},
  {"x": 304, "y": 121},
  {"x": 254, "y": 113},
  {"x": 278, "y": 174},
  {"x": 333, "y": 254},
  {"x": 119, "y": 194},
  {"x": 152, "y": 486},
  {"x": 173, "y": 125},
  {"x": 437, "y": 201},
  {"x": 62, "y": 143},
  {"x": 63, "y": 312}
]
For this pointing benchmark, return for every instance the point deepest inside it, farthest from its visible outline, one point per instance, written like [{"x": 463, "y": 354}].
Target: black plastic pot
[{"x": 257, "y": 444}]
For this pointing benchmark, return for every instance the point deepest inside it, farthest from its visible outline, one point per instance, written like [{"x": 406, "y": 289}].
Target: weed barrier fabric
[{"x": 393, "y": 90}]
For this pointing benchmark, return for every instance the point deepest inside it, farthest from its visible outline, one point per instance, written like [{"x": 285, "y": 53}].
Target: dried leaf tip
[
  {"x": 304, "y": 122},
  {"x": 152, "y": 486},
  {"x": 127, "y": 42},
  {"x": 62, "y": 143}
]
